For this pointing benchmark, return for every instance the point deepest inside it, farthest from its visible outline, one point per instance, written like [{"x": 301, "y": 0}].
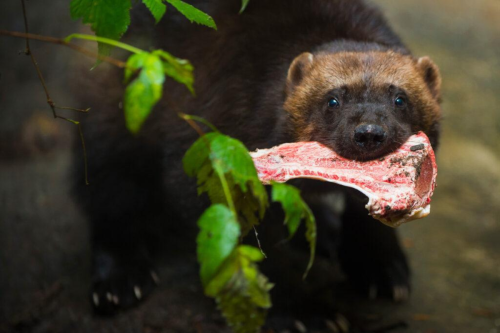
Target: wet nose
[{"x": 369, "y": 136}]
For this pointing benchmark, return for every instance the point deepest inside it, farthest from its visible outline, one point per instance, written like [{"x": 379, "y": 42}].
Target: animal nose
[{"x": 369, "y": 136}]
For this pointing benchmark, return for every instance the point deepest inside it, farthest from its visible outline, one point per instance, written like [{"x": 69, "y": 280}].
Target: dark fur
[{"x": 241, "y": 74}]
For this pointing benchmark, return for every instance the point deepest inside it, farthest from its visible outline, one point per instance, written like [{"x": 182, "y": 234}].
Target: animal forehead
[{"x": 365, "y": 68}]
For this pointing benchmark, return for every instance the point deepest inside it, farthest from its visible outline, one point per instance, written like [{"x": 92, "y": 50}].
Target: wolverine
[{"x": 330, "y": 71}]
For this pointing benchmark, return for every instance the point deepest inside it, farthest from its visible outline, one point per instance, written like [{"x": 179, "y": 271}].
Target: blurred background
[{"x": 454, "y": 253}]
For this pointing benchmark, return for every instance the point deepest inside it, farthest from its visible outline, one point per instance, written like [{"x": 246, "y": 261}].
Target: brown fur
[
  {"x": 368, "y": 75},
  {"x": 371, "y": 70}
]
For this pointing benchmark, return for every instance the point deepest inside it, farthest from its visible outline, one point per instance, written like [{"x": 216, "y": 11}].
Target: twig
[
  {"x": 225, "y": 186},
  {"x": 188, "y": 117},
  {"x": 51, "y": 103},
  {"x": 191, "y": 123},
  {"x": 258, "y": 242},
  {"x": 59, "y": 41},
  {"x": 105, "y": 40},
  {"x": 72, "y": 109}
]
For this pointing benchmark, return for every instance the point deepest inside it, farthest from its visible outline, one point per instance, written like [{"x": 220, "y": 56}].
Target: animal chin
[{"x": 356, "y": 153}]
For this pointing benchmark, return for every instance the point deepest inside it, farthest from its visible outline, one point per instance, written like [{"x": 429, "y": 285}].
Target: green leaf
[
  {"x": 296, "y": 210},
  {"x": 178, "y": 69},
  {"x": 145, "y": 91},
  {"x": 241, "y": 291},
  {"x": 156, "y": 7},
  {"x": 193, "y": 14},
  {"x": 107, "y": 18},
  {"x": 215, "y": 155},
  {"x": 218, "y": 237},
  {"x": 197, "y": 155},
  {"x": 134, "y": 63},
  {"x": 244, "y": 4}
]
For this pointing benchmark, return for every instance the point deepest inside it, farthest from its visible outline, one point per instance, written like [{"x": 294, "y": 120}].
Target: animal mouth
[
  {"x": 361, "y": 154},
  {"x": 399, "y": 185}
]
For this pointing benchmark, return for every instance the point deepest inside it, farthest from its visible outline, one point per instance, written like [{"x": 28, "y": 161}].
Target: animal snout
[{"x": 369, "y": 135}]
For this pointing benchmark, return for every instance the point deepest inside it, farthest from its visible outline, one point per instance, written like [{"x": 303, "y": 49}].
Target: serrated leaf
[
  {"x": 241, "y": 291},
  {"x": 107, "y": 18},
  {"x": 142, "y": 94},
  {"x": 156, "y": 7},
  {"x": 193, "y": 14},
  {"x": 178, "y": 69},
  {"x": 296, "y": 210},
  {"x": 217, "y": 239},
  {"x": 197, "y": 155},
  {"x": 215, "y": 155},
  {"x": 250, "y": 197},
  {"x": 244, "y": 4}
]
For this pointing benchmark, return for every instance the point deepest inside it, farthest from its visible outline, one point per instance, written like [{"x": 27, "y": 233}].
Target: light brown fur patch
[{"x": 374, "y": 70}]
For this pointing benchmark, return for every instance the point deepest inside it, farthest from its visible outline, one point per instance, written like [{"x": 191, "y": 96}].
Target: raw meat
[{"x": 399, "y": 185}]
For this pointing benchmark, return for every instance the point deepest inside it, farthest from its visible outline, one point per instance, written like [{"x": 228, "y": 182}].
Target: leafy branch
[
  {"x": 142, "y": 94},
  {"x": 63, "y": 42},
  {"x": 229, "y": 273},
  {"x": 222, "y": 165},
  {"x": 111, "y": 18}
]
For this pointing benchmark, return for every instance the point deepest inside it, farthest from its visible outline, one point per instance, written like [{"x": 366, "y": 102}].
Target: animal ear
[
  {"x": 430, "y": 73},
  {"x": 299, "y": 67}
]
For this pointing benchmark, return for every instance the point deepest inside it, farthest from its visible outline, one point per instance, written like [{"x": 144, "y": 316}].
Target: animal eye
[
  {"x": 333, "y": 102},
  {"x": 400, "y": 102}
]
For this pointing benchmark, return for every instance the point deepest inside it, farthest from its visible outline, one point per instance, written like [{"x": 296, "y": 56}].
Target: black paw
[
  {"x": 382, "y": 279},
  {"x": 120, "y": 283},
  {"x": 336, "y": 324}
]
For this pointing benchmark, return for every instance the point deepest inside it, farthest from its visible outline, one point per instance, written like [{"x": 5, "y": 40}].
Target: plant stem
[
  {"x": 198, "y": 119},
  {"x": 193, "y": 124},
  {"x": 225, "y": 187},
  {"x": 104, "y": 40},
  {"x": 49, "y": 99},
  {"x": 53, "y": 40}
]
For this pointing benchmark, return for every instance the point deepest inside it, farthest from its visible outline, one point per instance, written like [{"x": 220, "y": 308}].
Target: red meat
[{"x": 399, "y": 185}]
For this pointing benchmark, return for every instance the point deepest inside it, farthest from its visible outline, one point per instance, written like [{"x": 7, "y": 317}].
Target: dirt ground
[{"x": 454, "y": 253}]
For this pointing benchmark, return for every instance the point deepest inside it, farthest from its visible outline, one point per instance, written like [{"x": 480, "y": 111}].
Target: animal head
[{"x": 362, "y": 104}]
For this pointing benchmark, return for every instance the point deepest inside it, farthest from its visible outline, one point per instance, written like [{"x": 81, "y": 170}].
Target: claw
[
  {"x": 300, "y": 326},
  {"x": 332, "y": 328},
  {"x": 339, "y": 325},
  {"x": 155, "y": 277},
  {"x": 342, "y": 322},
  {"x": 137, "y": 292},
  {"x": 95, "y": 299}
]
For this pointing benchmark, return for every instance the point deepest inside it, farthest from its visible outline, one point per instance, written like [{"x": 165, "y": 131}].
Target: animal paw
[
  {"x": 378, "y": 274},
  {"x": 310, "y": 323},
  {"x": 390, "y": 279},
  {"x": 120, "y": 284}
]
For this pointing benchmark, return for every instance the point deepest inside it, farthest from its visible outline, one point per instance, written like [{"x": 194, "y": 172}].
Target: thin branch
[
  {"x": 80, "y": 131},
  {"x": 72, "y": 109},
  {"x": 105, "y": 40},
  {"x": 33, "y": 60},
  {"x": 27, "y": 50},
  {"x": 42, "y": 81},
  {"x": 59, "y": 41},
  {"x": 198, "y": 119},
  {"x": 191, "y": 123},
  {"x": 258, "y": 242}
]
